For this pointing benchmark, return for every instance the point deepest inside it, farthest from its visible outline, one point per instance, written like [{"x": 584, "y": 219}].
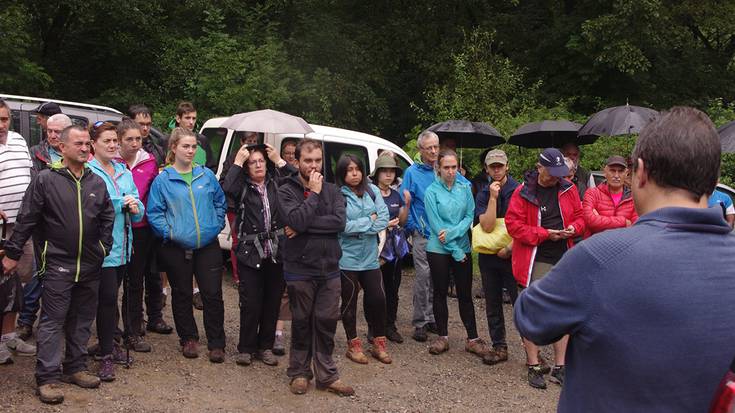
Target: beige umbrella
[{"x": 267, "y": 121}]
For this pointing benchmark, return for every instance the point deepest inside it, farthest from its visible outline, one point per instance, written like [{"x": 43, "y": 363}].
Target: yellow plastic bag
[{"x": 490, "y": 242}]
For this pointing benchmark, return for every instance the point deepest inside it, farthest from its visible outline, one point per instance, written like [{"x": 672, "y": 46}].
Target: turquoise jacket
[
  {"x": 189, "y": 215},
  {"x": 118, "y": 186},
  {"x": 359, "y": 241},
  {"x": 453, "y": 211}
]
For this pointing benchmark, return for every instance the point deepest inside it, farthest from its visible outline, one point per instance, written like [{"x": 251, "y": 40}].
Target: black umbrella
[
  {"x": 727, "y": 137},
  {"x": 616, "y": 121},
  {"x": 546, "y": 134},
  {"x": 468, "y": 134}
]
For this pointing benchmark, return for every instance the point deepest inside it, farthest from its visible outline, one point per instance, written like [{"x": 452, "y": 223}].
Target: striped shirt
[{"x": 15, "y": 174}]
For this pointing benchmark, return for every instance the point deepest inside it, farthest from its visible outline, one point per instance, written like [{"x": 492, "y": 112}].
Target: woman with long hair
[
  {"x": 367, "y": 215},
  {"x": 186, "y": 209},
  {"x": 124, "y": 196}
]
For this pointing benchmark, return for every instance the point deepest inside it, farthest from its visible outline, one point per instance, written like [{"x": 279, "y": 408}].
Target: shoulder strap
[{"x": 370, "y": 192}]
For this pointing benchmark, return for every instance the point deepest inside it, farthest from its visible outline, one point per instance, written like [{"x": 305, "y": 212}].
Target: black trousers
[
  {"x": 206, "y": 265},
  {"x": 260, "y": 299},
  {"x": 392, "y": 273},
  {"x": 140, "y": 274},
  {"x": 440, "y": 266},
  {"x": 371, "y": 282},
  {"x": 497, "y": 273},
  {"x": 107, "y": 314}
]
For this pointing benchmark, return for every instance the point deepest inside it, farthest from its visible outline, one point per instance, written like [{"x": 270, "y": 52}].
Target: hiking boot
[
  {"x": 159, "y": 326},
  {"x": 299, "y": 385},
  {"x": 279, "y": 346},
  {"x": 20, "y": 347},
  {"x": 190, "y": 349},
  {"x": 107, "y": 369},
  {"x": 545, "y": 368},
  {"x": 338, "y": 388},
  {"x": 136, "y": 343},
  {"x": 25, "y": 332},
  {"x": 82, "y": 379},
  {"x": 243, "y": 359},
  {"x": 354, "y": 351},
  {"x": 393, "y": 335},
  {"x": 120, "y": 356},
  {"x": 557, "y": 375},
  {"x": 197, "y": 301},
  {"x": 419, "y": 334},
  {"x": 432, "y": 328},
  {"x": 50, "y": 393},
  {"x": 477, "y": 347},
  {"x": 496, "y": 355},
  {"x": 439, "y": 345},
  {"x": 217, "y": 355},
  {"x": 378, "y": 350},
  {"x": 267, "y": 357},
  {"x": 536, "y": 377},
  {"x": 6, "y": 357}
]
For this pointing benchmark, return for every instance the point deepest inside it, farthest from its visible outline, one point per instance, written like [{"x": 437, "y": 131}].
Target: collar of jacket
[
  {"x": 118, "y": 167},
  {"x": 172, "y": 174},
  {"x": 627, "y": 194},
  {"x": 688, "y": 219},
  {"x": 424, "y": 166},
  {"x": 61, "y": 169},
  {"x": 529, "y": 192}
]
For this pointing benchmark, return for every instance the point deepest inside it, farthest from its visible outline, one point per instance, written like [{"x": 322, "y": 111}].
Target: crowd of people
[{"x": 91, "y": 209}]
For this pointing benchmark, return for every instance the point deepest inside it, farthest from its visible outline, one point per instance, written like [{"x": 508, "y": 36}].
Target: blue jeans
[{"x": 31, "y": 302}]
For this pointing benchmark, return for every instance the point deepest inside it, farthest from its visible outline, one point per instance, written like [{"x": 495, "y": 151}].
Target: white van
[{"x": 336, "y": 142}]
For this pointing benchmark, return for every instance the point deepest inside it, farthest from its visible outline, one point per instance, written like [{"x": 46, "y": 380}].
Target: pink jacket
[{"x": 144, "y": 170}]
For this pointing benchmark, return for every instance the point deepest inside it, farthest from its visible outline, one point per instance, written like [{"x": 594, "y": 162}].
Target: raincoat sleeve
[
  {"x": 233, "y": 183},
  {"x": 106, "y": 219},
  {"x": 460, "y": 230},
  {"x": 596, "y": 222},
  {"x": 578, "y": 214},
  {"x": 157, "y": 207},
  {"x": 220, "y": 202},
  {"x": 330, "y": 224},
  {"x": 366, "y": 225},
  {"x": 432, "y": 213},
  {"x": 382, "y": 210},
  {"x": 133, "y": 191},
  {"x": 518, "y": 228},
  {"x": 30, "y": 213}
]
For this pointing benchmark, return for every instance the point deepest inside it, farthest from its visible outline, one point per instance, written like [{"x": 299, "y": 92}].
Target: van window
[
  {"x": 335, "y": 150},
  {"x": 15, "y": 121},
  {"x": 216, "y": 138},
  {"x": 402, "y": 162}
]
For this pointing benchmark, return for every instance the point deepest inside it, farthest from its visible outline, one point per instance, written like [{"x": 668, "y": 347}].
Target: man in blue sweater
[{"x": 649, "y": 307}]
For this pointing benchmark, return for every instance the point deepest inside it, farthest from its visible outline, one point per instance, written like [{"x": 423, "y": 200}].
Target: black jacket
[
  {"x": 156, "y": 150},
  {"x": 317, "y": 219},
  {"x": 70, "y": 219},
  {"x": 250, "y": 210}
]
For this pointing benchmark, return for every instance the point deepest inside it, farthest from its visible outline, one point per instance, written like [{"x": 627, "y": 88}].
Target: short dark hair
[
  {"x": 309, "y": 144},
  {"x": 65, "y": 133},
  {"x": 139, "y": 109},
  {"x": 681, "y": 149},
  {"x": 184, "y": 108},
  {"x": 341, "y": 170}
]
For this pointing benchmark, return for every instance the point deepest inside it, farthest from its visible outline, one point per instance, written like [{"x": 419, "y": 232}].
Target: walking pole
[{"x": 126, "y": 284}]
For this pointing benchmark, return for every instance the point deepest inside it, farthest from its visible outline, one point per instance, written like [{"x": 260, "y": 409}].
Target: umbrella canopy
[
  {"x": 727, "y": 137},
  {"x": 267, "y": 121},
  {"x": 546, "y": 134},
  {"x": 468, "y": 134},
  {"x": 616, "y": 121}
]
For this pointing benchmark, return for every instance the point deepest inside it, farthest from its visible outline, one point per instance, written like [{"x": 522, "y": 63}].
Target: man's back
[{"x": 649, "y": 309}]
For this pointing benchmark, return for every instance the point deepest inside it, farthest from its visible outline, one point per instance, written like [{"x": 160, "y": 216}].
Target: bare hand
[
  {"x": 555, "y": 235},
  {"x": 393, "y": 223},
  {"x": 273, "y": 154},
  {"x": 373, "y": 216},
  {"x": 132, "y": 204},
  {"x": 494, "y": 190},
  {"x": 628, "y": 223},
  {"x": 242, "y": 155},
  {"x": 315, "y": 182},
  {"x": 9, "y": 265},
  {"x": 504, "y": 253},
  {"x": 443, "y": 236},
  {"x": 290, "y": 233},
  {"x": 594, "y": 211}
]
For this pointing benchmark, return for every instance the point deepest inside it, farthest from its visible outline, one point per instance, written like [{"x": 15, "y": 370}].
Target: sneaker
[
  {"x": 393, "y": 335},
  {"x": 197, "y": 301},
  {"x": 338, "y": 388},
  {"x": 190, "y": 349},
  {"x": 244, "y": 359},
  {"x": 120, "y": 356},
  {"x": 354, "y": 351},
  {"x": 496, "y": 355},
  {"x": 267, "y": 357},
  {"x": 159, "y": 326},
  {"x": 107, "y": 369},
  {"x": 25, "y": 332},
  {"x": 299, "y": 385},
  {"x": 477, "y": 347},
  {"x": 6, "y": 357},
  {"x": 20, "y": 347},
  {"x": 432, "y": 328},
  {"x": 136, "y": 343},
  {"x": 419, "y": 334},
  {"x": 379, "y": 350},
  {"x": 82, "y": 379},
  {"x": 439, "y": 345},
  {"x": 217, "y": 355},
  {"x": 279, "y": 346},
  {"x": 557, "y": 375},
  {"x": 536, "y": 377},
  {"x": 50, "y": 393}
]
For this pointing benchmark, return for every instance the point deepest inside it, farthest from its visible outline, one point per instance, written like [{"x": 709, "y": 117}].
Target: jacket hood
[
  {"x": 141, "y": 157},
  {"x": 170, "y": 173},
  {"x": 118, "y": 166}
]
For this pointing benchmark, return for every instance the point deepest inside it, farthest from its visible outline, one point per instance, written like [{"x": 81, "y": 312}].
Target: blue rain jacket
[
  {"x": 359, "y": 241},
  {"x": 453, "y": 211}
]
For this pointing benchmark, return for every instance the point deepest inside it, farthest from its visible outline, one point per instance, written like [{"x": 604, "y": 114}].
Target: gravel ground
[{"x": 164, "y": 381}]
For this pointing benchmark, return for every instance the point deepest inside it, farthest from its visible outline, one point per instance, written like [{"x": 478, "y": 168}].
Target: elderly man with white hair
[{"x": 47, "y": 151}]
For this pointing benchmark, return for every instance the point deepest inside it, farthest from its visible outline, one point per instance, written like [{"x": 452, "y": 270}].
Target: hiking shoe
[
  {"x": 6, "y": 357},
  {"x": 393, "y": 335},
  {"x": 25, "y": 332},
  {"x": 354, "y": 351},
  {"x": 190, "y": 349},
  {"x": 267, "y": 357},
  {"x": 338, "y": 388},
  {"x": 159, "y": 326},
  {"x": 107, "y": 369},
  {"x": 217, "y": 355},
  {"x": 120, "y": 356},
  {"x": 419, "y": 334},
  {"x": 496, "y": 355},
  {"x": 243, "y": 359},
  {"x": 557, "y": 375},
  {"x": 82, "y": 379},
  {"x": 477, "y": 346},
  {"x": 50, "y": 393},
  {"x": 379, "y": 351},
  {"x": 197, "y": 301},
  {"x": 20, "y": 347},
  {"x": 299, "y": 385},
  {"x": 432, "y": 328},
  {"x": 279, "y": 346},
  {"x": 536, "y": 377},
  {"x": 136, "y": 343},
  {"x": 439, "y": 345}
]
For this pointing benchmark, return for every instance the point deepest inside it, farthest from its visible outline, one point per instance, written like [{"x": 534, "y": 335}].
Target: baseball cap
[
  {"x": 616, "y": 160},
  {"x": 48, "y": 109},
  {"x": 553, "y": 160},
  {"x": 496, "y": 156}
]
